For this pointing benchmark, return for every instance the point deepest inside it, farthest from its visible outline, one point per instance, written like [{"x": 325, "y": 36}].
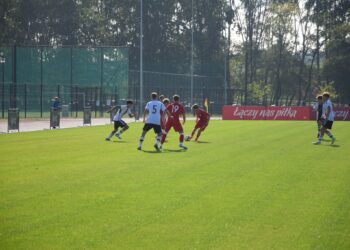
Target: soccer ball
[{"x": 187, "y": 138}]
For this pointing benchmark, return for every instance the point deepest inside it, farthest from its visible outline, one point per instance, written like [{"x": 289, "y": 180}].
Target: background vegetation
[{"x": 278, "y": 51}]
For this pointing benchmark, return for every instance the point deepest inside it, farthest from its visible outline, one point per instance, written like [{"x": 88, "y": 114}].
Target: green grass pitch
[{"x": 247, "y": 185}]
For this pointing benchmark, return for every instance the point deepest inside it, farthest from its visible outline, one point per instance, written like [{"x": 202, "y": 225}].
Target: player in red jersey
[
  {"x": 175, "y": 110},
  {"x": 166, "y": 103},
  {"x": 202, "y": 120}
]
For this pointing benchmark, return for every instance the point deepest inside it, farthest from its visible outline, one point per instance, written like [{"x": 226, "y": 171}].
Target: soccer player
[
  {"x": 175, "y": 110},
  {"x": 154, "y": 111},
  {"x": 318, "y": 108},
  {"x": 327, "y": 118},
  {"x": 202, "y": 121},
  {"x": 118, "y": 122},
  {"x": 161, "y": 98}
]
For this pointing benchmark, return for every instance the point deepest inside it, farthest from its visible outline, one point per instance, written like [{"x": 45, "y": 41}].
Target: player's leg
[
  {"x": 178, "y": 128},
  {"x": 319, "y": 126},
  {"x": 193, "y": 132},
  {"x": 116, "y": 126},
  {"x": 322, "y": 131},
  {"x": 146, "y": 127},
  {"x": 328, "y": 126},
  {"x": 165, "y": 132},
  {"x": 158, "y": 130},
  {"x": 124, "y": 128},
  {"x": 202, "y": 128},
  {"x": 181, "y": 139}
]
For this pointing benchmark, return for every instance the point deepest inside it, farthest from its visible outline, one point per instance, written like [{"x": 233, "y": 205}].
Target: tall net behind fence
[{"x": 80, "y": 76}]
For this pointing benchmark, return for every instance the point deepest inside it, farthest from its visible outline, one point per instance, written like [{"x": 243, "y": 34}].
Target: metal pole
[
  {"x": 141, "y": 57},
  {"x": 41, "y": 82},
  {"x": 191, "y": 52},
  {"x": 3, "y": 89},
  {"x": 14, "y": 77},
  {"x": 25, "y": 100},
  {"x": 101, "y": 84},
  {"x": 225, "y": 71},
  {"x": 71, "y": 82}
]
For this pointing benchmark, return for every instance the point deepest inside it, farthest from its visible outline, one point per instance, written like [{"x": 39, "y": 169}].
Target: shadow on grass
[
  {"x": 203, "y": 142},
  {"x": 120, "y": 141},
  {"x": 164, "y": 151},
  {"x": 329, "y": 145}
]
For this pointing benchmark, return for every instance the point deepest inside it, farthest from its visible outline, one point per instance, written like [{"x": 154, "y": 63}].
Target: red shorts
[
  {"x": 175, "y": 124},
  {"x": 201, "y": 125}
]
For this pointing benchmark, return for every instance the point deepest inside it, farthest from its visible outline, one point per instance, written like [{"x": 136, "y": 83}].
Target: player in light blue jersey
[{"x": 327, "y": 118}]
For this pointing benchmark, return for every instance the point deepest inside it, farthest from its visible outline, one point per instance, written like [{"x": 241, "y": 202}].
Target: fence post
[
  {"x": 13, "y": 119},
  {"x": 25, "y": 100},
  {"x": 41, "y": 82},
  {"x": 87, "y": 116},
  {"x": 3, "y": 96},
  {"x": 54, "y": 118},
  {"x": 101, "y": 83},
  {"x": 76, "y": 101},
  {"x": 13, "y": 102}
]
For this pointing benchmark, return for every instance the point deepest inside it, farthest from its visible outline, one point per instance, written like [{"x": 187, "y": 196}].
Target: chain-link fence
[
  {"x": 96, "y": 77},
  {"x": 32, "y": 76}
]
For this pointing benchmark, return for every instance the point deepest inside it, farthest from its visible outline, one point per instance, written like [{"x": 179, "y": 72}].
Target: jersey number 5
[{"x": 154, "y": 110}]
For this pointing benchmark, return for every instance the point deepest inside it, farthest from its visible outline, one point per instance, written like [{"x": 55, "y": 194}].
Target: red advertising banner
[
  {"x": 341, "y": 114},
  {"x": 265, "y": 113},
  {"x": 278, "y": 113}
]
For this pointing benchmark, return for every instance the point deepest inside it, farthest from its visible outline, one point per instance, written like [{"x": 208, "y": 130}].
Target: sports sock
[
  {"x": 181, "y": 138},
  {"x": 141, "y": 141},
  {"x": 320, "y": 138},
  {"x": 330, "y": 134},
  {"x": 163, "y": 138},
  {"x": 111, "y": 135},
  {"x": 158, "y": 139}
]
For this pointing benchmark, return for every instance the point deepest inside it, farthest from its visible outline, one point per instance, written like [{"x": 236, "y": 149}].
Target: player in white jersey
[
  {"x": 117, "y": 119},
  {"x": 154, "y": 111},
  {"x": 327, "y": 118}
]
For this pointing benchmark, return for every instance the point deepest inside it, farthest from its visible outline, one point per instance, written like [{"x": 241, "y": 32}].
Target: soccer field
[{"x": 246, "y": 185}]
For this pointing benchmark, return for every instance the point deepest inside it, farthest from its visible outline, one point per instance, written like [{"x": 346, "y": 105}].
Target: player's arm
[
  {"x": 144, "y": 115},
  {"x": 131, "y": 115},
  {"x": 114, "y": 108},
  {"x": 183, "y": 118},
  {"x": 328, "y": 111}
]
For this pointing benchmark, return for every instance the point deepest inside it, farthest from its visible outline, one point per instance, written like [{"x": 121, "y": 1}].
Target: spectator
[{"x": 56, "y": 104}]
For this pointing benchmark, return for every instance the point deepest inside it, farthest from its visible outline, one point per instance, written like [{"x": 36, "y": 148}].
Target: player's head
[
  {"x": 176, "y": 98},
  {"x": 195, "y": 107},
  {"x": 129, "y": 103},
  {"x": 154, "y": 95},
  {"x": 166, "y": 101},
  {"x": 161, "y": 98},
  {"x": 56, "y": 98},
  {"x": 326, "y": 95},
  {"x": 319, "y": 98}
]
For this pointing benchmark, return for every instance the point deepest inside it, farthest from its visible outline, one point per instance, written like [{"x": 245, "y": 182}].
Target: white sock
[{"x": 141, "y": 141}]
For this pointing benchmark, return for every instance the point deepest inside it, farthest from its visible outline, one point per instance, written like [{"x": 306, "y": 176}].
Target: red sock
[
  {"x": 181, "y": 138},
  {"x": 163, "y": 138}
]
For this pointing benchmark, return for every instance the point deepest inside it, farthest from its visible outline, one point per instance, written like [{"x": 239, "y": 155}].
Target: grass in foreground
[{"x": 247, "y": 185}]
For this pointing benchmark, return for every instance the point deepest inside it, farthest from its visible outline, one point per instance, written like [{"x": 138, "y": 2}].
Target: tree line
[{"x": 277, "y": 52}]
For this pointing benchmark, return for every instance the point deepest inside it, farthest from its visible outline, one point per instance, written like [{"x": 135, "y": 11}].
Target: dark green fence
[{"x": 32, "y": 76}]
